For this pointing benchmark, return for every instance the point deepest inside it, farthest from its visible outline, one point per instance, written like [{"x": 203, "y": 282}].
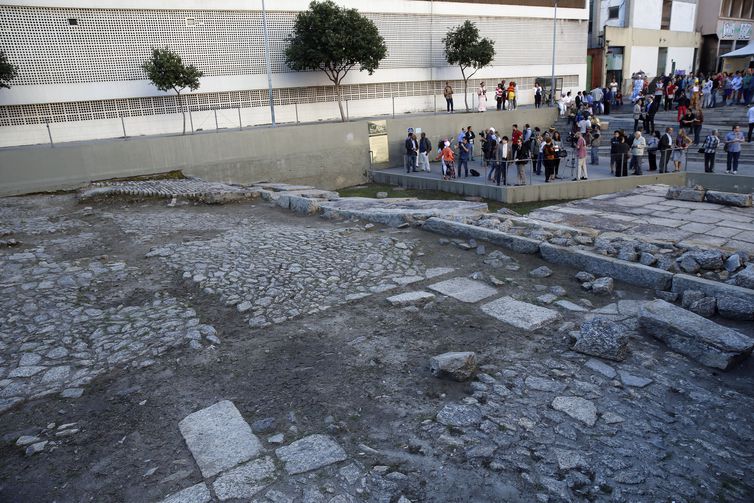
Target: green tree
[
  {"x": 335, "y": 40},
  {"x": 8, "y": 71},
  {"x": 464, "y": 48},
  {"x": 167, "y": 72}
]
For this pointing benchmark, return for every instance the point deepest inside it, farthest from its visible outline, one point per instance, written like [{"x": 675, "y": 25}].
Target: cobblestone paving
[
  {"x": 275, "y": 273},
  {"x": 56, "y": 332},
  {"x": 194, "y": 189}
]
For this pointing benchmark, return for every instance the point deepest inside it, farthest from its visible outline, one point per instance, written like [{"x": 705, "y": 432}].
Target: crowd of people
[
  {"x": 496, "y": 152},
  {"x": 504, "y": 94}
]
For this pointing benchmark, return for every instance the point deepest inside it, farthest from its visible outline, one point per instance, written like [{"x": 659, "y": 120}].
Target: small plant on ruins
[
  {"x": 167, "y": 72},
  {"x": 335, "y": 40},
  {"x": 8, "y": 71},
  {"x": 464, "y": 47}
]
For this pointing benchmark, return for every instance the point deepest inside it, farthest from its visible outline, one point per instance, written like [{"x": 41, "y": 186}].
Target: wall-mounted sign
[{"x": 733, "y": 30}]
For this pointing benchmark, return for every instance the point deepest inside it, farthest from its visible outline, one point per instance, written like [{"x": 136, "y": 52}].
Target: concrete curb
[
  {"x": 742, "y": 308},
  {"x": 456, "y": 229}
]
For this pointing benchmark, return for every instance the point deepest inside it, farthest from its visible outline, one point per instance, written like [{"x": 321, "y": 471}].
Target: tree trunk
[
  {"x": 340, "y": 101},
  {"x": 465, "y": 88},
  {"x": 183, "y": 111}
]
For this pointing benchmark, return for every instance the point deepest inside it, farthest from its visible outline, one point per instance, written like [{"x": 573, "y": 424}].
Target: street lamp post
[
  {"x": 554, "y": 30},
  {"x": 267, "y": 62}
]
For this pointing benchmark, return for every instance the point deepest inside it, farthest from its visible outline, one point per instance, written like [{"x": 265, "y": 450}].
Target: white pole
[
  {"x": 554, "y": 30},
  {"x": 267, "y": 62}
]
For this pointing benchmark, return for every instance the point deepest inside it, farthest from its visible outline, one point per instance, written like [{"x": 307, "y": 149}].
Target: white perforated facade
[{"x": 81, "y": 60}]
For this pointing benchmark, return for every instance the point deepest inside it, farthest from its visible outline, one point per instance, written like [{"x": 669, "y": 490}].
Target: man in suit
[
  {"x": 665, "y": 147},
  {"x": 425, "y": 146},
  {"x": 503, "y": 155},
  {"x": 412, "y": 148}
]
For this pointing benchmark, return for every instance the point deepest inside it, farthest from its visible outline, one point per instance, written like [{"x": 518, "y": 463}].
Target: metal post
[
  {"x": 123, "y": 125},
  {"x": 267, "y": 62},
  {"x": 217, "y": 127},
  {"x": 240, "y": 124},
  {"x": 49, "y": 133},
  {"x": 295, "y": 106},
  {"x": 554, "y": 30},
  {"x": 191, "y": 120}
]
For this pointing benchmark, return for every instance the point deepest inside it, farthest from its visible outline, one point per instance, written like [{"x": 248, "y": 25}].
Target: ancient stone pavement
[{"x": 170, "y": 352}]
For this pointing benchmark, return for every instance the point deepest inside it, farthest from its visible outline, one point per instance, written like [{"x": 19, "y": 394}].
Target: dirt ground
[{"x": 359, "y": 372}]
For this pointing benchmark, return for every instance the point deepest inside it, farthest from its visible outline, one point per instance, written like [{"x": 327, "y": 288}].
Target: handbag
[{"x": 701, "y": 150}]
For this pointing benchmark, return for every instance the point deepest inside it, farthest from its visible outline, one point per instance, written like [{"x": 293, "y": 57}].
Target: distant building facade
[
  {"x": 651, "y": 36},
  {"x": 725, "y": 26},
  {"x": 80, "y": 61}
]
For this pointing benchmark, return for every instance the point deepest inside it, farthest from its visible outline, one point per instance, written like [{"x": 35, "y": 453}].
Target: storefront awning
[{"x": 740, "y": 53}]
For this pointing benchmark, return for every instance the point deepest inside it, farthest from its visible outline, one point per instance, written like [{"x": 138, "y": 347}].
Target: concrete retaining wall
[{"x": 721, "y": 181}]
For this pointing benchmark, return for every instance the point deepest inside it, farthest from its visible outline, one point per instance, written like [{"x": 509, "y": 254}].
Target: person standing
[
  {"x": 549, "y": 156},
  {"x": 733, "y": 141},
  {"x": 665, "y": 147},
  {"x": 652, "y": 143},
  {"x": 463, "y": 158},
  {"x": 512, "y": 101},
  {"x": 448, "y": 158},
  {"x": 709, "y": 147},
  {"x": 614, "y": 142},
  {"x": 459, "y": 138},
  {"x": 537, "y": 95},
  {"x": 499, "y": 91},
  {"x": 503, "y": 154},
  {"x": 681, "y": 146},
  {"x": 697, "y": 124},
  {"x": 424, "y": 147},
  {"x": 736, "y": 84},
  {"x": 482, "y": 94},
  {"x": 652, "y": 109},
  {"x": 411, "y": 150},
  {"x": 621, "y": 155},
  {"x": 595, "y": 141},
  {"x": 470, "y": 136},
  {"x": 687, "y": 122},
  {"x": 707, "y": 93},
  {"x": 522, "y": 158},
  {"x": 750, "y": 114},
  {"x": 558, "y": 145},
  {"x": 637, "y": 114},
  {"x": 448, "y": 93},
  {"x": 535, "y": 149},
  {"x": 638, "y": 147},
  {"x": 581, "y": 174}
]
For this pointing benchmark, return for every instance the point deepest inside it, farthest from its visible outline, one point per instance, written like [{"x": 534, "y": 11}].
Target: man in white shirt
[{"x": 584, "y": 125}]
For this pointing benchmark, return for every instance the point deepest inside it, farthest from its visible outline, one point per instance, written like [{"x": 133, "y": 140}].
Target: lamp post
[
  {"x": 267, "y": 62},
  {"x": 554, "y": 29}
]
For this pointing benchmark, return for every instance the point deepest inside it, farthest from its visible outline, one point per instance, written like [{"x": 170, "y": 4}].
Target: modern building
[
  {"x": 80, "y": 62},
  {"x": 725, "y": 26},
  {"x": 652, "y": 36}
]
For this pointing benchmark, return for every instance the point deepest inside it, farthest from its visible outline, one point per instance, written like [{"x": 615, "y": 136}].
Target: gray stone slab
[
  {"x": 438, "y": 271},
  {"x": 600, "y": 265},
  {"x": 512, "y": 242},
  {"x": 410, "y": 298},
  {"x": 310, "y": 453},
  {"x": 245, "y": 481},
  {"x": 520, "y": 314},
  {"x": 601, "y": 367},
  {"x": 194, "y": 494},
  {"x": 729, "y": 198},
  {"x": 459, "y": 415},
  {"x": 576, "y": 407},
  {"x": 707, "y": 342},
  {"x": 570, "y": 306},
  {"x": 738, "y": 303},
  {"x": 464, "y": 289},
  {"x": 219, "y": 438}
]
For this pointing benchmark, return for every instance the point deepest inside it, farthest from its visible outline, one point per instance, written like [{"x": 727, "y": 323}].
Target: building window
[
  {"x": 72, "y": 21},
  {"x": 613, "y": 12}
]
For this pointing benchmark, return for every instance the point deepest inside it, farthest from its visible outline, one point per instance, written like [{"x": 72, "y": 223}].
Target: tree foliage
[
  {"x": 334, "y": 40},
  {"x": 464, "y": 47},
  {"x": 8, "y": 71},
  {"x": 167, "y": 72}
]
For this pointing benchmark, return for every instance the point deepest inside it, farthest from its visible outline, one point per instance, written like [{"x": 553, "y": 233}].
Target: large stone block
[
  {"x": 464, "y": 289},
  {"x": 194, "y": 494},
  {"x": 603, "y": 338},
  {"x": 219, "y": 438},
  {"x": 512, "y": 242},
  {"x": 310, "y": 453},
  {"x": 601, "y": 265},
  {"x": 459, "y": 366},
  {"x": 695, "y": 194},
  {"x": 733, "y": 301},
  {"x": 728, "y": 198},
  {"x": 520, "y": 314},
  {"x": 703, "y": 340}
]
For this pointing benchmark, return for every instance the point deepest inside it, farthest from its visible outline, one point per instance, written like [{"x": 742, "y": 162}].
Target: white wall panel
[{"x": 683, "y": 17}]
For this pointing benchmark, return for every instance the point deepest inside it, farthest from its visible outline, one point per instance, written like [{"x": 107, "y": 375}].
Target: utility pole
[
  {"x": 267, "y": 62},
  {"x": 554, "y": 30}
]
